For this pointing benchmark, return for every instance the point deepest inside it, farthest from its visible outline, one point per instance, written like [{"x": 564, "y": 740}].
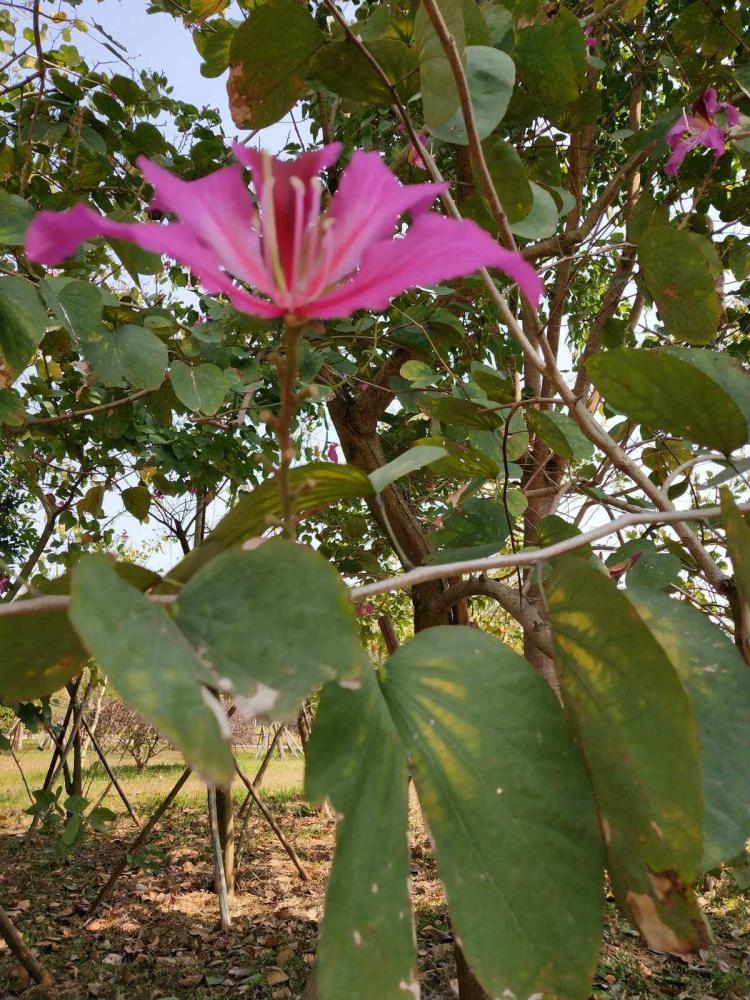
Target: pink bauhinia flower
[
  {"x": 332, "y": 453},
  {"x": 700, "y": 129},
  {"x": 302, "y": 259},
  {"x": 590, "y": 38},
  {"x": 413, "y": 155}
]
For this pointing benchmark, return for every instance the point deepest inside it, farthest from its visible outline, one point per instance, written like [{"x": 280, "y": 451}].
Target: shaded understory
[{"x": 158, "y": 936}]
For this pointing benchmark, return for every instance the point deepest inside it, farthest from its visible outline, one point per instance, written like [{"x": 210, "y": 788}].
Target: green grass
[{"x": 144, "y": 788}]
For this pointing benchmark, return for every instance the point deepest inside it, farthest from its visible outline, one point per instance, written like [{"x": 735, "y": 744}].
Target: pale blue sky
[{"x": 159, "y": 42}]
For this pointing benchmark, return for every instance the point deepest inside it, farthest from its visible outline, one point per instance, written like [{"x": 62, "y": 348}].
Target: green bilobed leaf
[
  {"x": 496, "y": 387},
  {"x": 356, "y": 760},
  {"x": 632, "y": 9},
  {"x": 12, "y": 410},
  {"x": 345, "y": 71},
  {"x": 131, "y": 353},
  {"x": 541, "y": 221},
  {"x": 272, "y": 624},
  {"x": 679, "y": 274},
  {"x": 546, "y": 65},
  {"x": 462, "y": 461},
  {"x": 151, "y": 665},
  {"x": 23, "y": 323},
  {"x": 15, "y": 215},
  {"x": 418, "y": 373},
  {"x": 554, "y": 529},
  {"x": 410, "y": 461},
  {"x": 561, "y": 433},
  {"x": 202, "y": 9},
  {"x": 269, "y": 58},
  {"x": 82, "y": 304},
  {"x": 717, "y": 681},
  {"x": 136, "y": 260},
  {"x": 725, "y": 370},
  {"x": 508, "y": 177},
  {"x": 314, "y": 486},
  {"x": 475, "y": 26},
  {"x": 490, "y": 74},
  {"x": 480, "y": 528},
  {"x": 143, "y": 356},
  {"x": 463, "y": 412},
  {"x": 651, "y": 568},
  {"x": 738, "y": 541},
  {"x": 92, "y": 501},
  {"x": 668, "y": 392},
  {"x": 39, "y": 653},
  {"x": 215, "y": 46},
  {"x": 636, "y": 728},
  {"x": 647, "y": 213},
  {"x": 202, "y": 388},
  {"x": 440, "y": 100},
  {"x": 701, "y": 27},
  {"x": 500, "y": 24},
  {"x": 512, "y": 440},
  {"x": 509, "y": 805},
  {"x": 137, "y": 501}
]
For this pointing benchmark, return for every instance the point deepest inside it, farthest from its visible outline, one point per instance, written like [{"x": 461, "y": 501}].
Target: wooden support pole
[
  {"x": 111, "y": 774},
  {"x": 273, "y": 824},
  {"x": 17, "y": 945},
  {"x": 106, "y": 889},
  {"x": 218, "y": 856},
  {"x": 260, "y": 774}
]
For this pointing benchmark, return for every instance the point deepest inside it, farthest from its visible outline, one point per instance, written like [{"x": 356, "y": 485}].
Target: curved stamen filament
[
  {"x": 268, "y": 220},
  {"x": 298, "y": 238}
]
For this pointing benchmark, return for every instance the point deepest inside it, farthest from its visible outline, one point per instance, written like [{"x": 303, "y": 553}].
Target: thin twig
[
  {"x": 423, "y": 574},
  {"x": 79, "y": 414}
]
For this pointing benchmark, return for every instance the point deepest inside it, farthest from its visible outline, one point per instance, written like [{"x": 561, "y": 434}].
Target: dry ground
[{"x": 158, "y": 936}]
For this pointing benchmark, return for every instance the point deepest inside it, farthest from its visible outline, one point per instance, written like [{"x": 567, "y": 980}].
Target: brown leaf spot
[
  {"x": 242, "y": 113},
  {"x": 658, "y": 935}
]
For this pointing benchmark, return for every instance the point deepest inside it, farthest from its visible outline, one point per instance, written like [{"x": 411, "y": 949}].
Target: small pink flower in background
[
  {"x": 303, "y": 260},
  {"x": 332, "y": 453},
  {"x": 588, "y": 34},
  {"x": 413, "y": 155},
  {"x": 366, "y": 609},
  {"x": 4, "y": 584},
  {"x": 700, "y": 129}
]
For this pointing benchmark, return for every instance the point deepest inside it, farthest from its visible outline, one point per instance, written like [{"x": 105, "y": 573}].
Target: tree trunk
[
  {"x": 225, "y": 821},
  {"x": 77, "y": 782}
]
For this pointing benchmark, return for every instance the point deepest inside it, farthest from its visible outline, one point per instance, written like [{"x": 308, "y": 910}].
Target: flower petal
[
  {"x": 219, "y": 211},
  {"x": 709, "y": 102},
  {"x": 434, "y": 249},
  {"x": 365, "y": 208},
  {"x": 677, "y": 131},
  {"x": 733, "y": 115},
  {"x": 713, "y": 138},
  {"x": 53, "y": 236}
]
